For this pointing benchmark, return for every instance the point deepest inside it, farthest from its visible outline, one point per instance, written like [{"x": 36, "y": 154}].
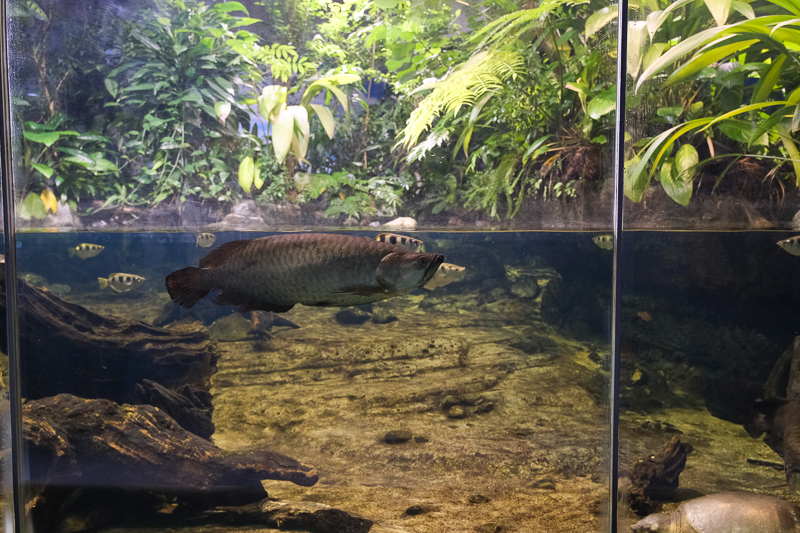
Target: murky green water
[{"x": 481, "y": 402}]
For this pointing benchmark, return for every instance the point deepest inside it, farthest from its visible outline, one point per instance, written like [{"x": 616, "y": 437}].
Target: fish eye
[{"x": 423, "y": 261}]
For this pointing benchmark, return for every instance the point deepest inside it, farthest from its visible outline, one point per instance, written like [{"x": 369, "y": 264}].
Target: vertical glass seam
[
  {"x": 12, "y": 319},
  {"x": 619, "y": 182}
]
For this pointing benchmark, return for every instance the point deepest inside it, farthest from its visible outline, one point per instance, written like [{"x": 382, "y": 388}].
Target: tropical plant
[
  {"x": 180, "y": 120},
  {"x": 72, "y": 163},
  {"x": 750, "y": 65}
]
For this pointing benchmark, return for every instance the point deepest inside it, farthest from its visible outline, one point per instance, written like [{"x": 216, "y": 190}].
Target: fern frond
[
  {"x": 508, "y": 27},
  {"x": 482, "y": 73}
]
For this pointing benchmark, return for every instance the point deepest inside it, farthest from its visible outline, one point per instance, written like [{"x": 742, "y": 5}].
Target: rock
[
  {"x": 545, "y": 484},
  {"x": 725, "y": 512},
  {"x": 352, "y": 317},
  {"x": 397, "y": 436},
  {"x": 383, "y": 316},
  {"x": 484, "y": 408},
  {"x": 421, "y": 440},
  {"x": 60, "y": 289},
  {"x": 456, "y": 412},
  {"x": 245, "y": 215},
  {"x": 401, "y": 223},
  {"x": 477, "y": 499},
  {"x": 526, "y": 287},
  {"x": 64, "y": 217},
  {"x": 488, "y": 528},
  {"x": 231, "y": 328},
  {"x": 415, "y": 510}
]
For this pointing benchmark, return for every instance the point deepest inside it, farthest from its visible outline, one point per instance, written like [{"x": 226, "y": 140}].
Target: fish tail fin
[
  {"x": 71, "y": 251},
  {"x": 103, "y": 283},
  {"x": 186, "y": 286}
]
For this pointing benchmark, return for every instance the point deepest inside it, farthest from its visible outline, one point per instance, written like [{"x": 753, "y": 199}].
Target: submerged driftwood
[
  {"x": 656, "y": 477},
  {"x": 65, "y": 348},
  {"x": 98, "y": 444}
]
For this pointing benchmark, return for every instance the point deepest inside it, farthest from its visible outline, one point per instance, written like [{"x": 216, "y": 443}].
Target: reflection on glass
[
  {"x": 709, "y": 316},
  {"x": 433, "y": 361}
]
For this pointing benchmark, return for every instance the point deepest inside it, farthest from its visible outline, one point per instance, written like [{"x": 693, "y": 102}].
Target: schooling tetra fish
[
  {"x": 204, "y": 240},
  {"x": 415, "y": 245},
  {"x": 275, "y": 273},
  {"x": 791, "y": 245},
  {"x": 121, "y": 282},
  {"x": 606, "y": 242},
  {"x": 86, "y": 250}
]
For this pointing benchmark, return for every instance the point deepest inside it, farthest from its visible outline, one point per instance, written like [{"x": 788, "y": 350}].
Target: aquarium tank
[{"x": 407, "y": 266}]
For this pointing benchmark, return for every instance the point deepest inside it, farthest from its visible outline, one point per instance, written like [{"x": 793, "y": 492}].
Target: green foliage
[
  {"x": 175, "y": 91},
  {"x": 75, "y": 164},
  {"x": 483, "y": 73},
  {"x": 761, "y": 48},
  {"x": 352, "y": 196}
]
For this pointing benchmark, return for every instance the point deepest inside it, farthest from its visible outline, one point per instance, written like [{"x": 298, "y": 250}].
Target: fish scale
[{"x": 274, "y": 273}]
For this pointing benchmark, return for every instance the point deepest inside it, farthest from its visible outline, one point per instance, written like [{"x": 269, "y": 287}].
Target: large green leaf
[
  {"x": 686, "y": 161},
  {"x": 602, "y": 104},
  {"x": 258, "y": 182},
  {"x": 302, "y": 130},
  {"x": 270, "y": 102},
  {"x": 766, "y": 85},
  {"x": 715, "y": 52},
  {"x": 32, "y": 207},
  {"x": 676, "y": 188},
  {"x": 600, "y": 18},
  {"x": 326, "y": 118},
  {"x": 227, "y": 7},
  {"x": 47, "y": 138},
  {"x": 47, "y": 170},
  {"x": 282, "y": 133},
  {"x": 318, "y": 86},
  {"x": 637, "y": 41},
  {"x": 246, "y": 175},
  {"x": 791, "y": 149},
  {"x": 678, "y": 51},
  {"x": 720, "y": 9},
  {"x": 222, "y": 109}
]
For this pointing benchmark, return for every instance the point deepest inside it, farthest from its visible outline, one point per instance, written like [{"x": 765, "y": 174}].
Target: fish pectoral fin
[{"x": 363, "y": 290}]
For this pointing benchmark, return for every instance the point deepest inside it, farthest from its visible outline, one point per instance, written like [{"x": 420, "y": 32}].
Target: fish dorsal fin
[{"x": 220, "y": 254}]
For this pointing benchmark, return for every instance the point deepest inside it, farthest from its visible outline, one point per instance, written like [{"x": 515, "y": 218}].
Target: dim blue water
[{"x": 704, "y": 316}]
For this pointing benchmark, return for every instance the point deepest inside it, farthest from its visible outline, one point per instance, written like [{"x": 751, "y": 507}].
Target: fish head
[
  {"x": 405, "y": 271},
  {"x": 790, "y": 245},
  {"x": 655, "y": 522}
]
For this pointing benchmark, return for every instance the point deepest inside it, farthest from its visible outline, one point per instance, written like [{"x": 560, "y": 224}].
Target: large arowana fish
[{"x": 275, "y": 273}]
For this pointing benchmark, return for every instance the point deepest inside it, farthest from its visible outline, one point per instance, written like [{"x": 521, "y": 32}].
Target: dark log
[
  {"x": 656, "y": 477},
  {"x": 128, "y": 453},
  {"x": 77, "y": 442},
  {"x": 189, "y": 408},
  {"x": 292, "y": 516},
  {"x": 66, "y": 348}
]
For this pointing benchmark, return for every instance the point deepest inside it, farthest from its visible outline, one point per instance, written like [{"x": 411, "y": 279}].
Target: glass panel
[
  {"x": 709, "y": 304},
  {"x": 459, "y": 387}
]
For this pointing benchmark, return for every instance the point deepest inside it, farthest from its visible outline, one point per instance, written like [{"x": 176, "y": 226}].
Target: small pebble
[
  {"x": 352, "y": 317},
  {"x": 488, "y": 528},
  {"x": 397, "y": 436},
  {"x": 415, "y": 510},
  {"x": 484, "y": 408},
  {"x": 546, "y": 484},
  {"x": 456, "y": 412},
  {"x": 420, "y": 440},
  {"x": 477, "y": 498},
  {"x": 382, "y": 316}
]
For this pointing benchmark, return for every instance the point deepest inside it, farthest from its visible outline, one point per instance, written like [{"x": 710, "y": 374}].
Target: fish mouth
[{"x": 436, "y": 262}]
